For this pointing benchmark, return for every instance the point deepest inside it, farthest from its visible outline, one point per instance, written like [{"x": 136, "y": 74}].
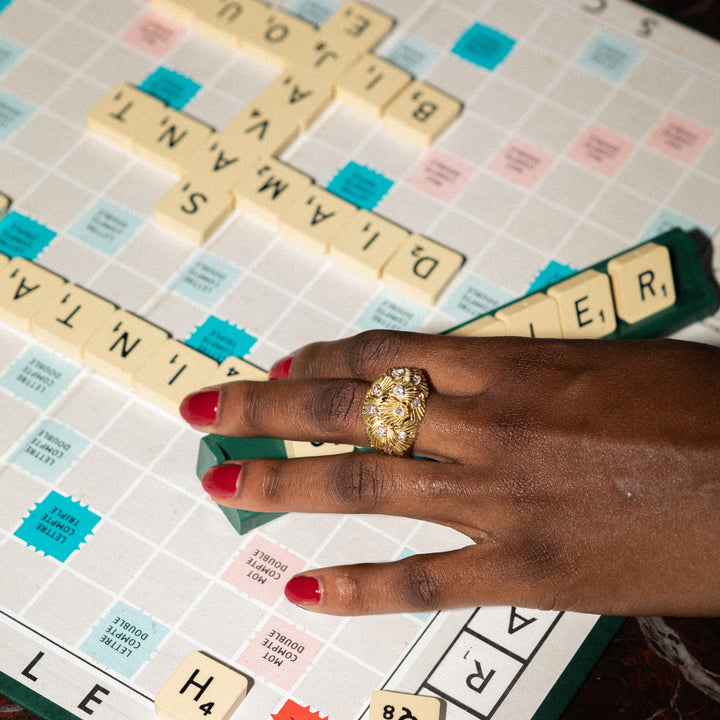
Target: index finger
[{"x": 454, "y": 365}]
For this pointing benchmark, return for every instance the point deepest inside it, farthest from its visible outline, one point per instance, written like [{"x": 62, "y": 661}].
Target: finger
[
  {"x": 454, "y": 365},
  {"x": 356, "y": 483},
  {"x": 318, "y": 411},
  {"x": 467, "y": 577}
]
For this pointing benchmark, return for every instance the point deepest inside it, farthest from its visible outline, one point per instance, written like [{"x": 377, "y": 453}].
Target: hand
[{"x": 586, "y": 474}]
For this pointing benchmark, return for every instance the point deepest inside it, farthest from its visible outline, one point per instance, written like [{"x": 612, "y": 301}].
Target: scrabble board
[{"x": 473, "y": 151}]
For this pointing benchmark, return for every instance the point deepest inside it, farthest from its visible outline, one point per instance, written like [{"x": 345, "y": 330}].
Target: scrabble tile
[
  {"x": 5, "y": 203},
  {"x": 222, "y": 159},
  {"x": 367, "y": 243},
  {"x": 183, "y": 10},
  {"x": 585, "y": 304},
  {"x": 297, "y": 448},
  {"x": 327, "y": 58},
  {"x": 533, "y": 316},
  {"x": 263, "y": 129},
  {"x": 69, "y": 320},
  {"x": 388, "y": 705},
  {"x": 486, "y": 326},
  {"x": 201, "y": 687},
  {"x": 173, "y": 372},
  {"x": 25, "y": 288},
  {"x": 4, "y": 260},
  {"x": 270, "y": 186},
  {"x": 420, "y": 113},
  {"x": 358, "y": 25},
  {"x": 123, "y": 113},
  {"x": 194, "y": 209},
  {"x": 421, "y": 269},
  {"x": 280, "y": 40},
  {"x": 229, "y": 22},
  {"x": 297, "y": 95},
  {"x": 122, "y": 345},
  {"x": 316, "y": 219},
  {"x": 233, "y": 368},
  {"x": 166, "y": 140},
  {"x": 642, "y": 282},
  {"x": 371, "y": 84}
]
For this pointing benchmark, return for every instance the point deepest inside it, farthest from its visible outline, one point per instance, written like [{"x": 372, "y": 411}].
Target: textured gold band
[{"x": 393, "y": 409}]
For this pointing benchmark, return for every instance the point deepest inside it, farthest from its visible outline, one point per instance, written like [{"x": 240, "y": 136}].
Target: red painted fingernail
[
  {"x": 221, "y": 481},
  {"x": 200, "y": 408},
  {"x": 303, "y": 590},
  {"x": 281, "y": 369}
]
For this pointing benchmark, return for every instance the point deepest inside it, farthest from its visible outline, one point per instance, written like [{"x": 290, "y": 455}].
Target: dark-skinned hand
[{"x": 586, "y": 474}]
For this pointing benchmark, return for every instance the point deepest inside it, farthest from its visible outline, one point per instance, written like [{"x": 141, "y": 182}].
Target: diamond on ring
[{"x": 393, "y": 409}]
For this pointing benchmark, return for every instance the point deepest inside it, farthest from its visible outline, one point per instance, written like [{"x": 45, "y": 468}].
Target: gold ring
[{"x": 393, "y": 409}]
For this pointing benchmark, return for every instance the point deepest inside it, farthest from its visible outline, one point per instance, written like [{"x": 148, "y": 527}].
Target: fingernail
[
  {"x": 303, "y": 590},
  {"x": 281, "y": 369},
  {"x": 200, "y": 408},
  {"x": 221, "y": 481}
]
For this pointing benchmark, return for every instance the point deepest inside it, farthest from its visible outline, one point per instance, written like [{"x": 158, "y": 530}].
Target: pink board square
[
  {"x": 280, "y": 652},
  {"x": 262, "y": 568},
  {"x": 441, "y": 175},
  {"x": 522, "y": 163},
  {"x": 154, "y": 34},
  {"x": 680, "y": 138},
  {"x": 601, "y": 150}
]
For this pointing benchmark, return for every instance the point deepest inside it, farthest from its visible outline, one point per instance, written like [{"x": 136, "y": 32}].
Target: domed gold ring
[{"x": 393, "y": 410}]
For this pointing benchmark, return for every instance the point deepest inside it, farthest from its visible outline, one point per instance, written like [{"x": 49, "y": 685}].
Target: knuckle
[
  {"x": 248, "y": 407},
  {"x": 352, "y": 596},
  {"x": 334, "y": 406},
  {"x": 356, "y": 483},
  {"x": 421, "y": 585},
  {"x": 272, "y": 483},
  {"x": 371, "y": 350}
]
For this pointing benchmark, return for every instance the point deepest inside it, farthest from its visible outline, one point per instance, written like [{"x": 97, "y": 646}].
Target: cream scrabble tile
[
  {"x": 174, "y": 371},
  {"x": 371, "y": 84},
  {"x": 4, "y": 260},
  {"x": 486, "y": 326},
  {"x": 201, "y": 687},
  {"x": 233, "y": 368},
  {"x": 166, "y": 140},
  {"x": 69, "y": 320},
  {"x": 263, "y": 129},
  {"x": 367, "y": 243},
  {"x": 194, "y": 209},
  {"x": 298, "y": 95},
  {"x": 421, "y": 269},
  {"x": 123, "y": 113},
  {"x": 327, "y": 58},
  {"x": 420, "y": 112},
  {"x": 183, "y": 10},
  {"x": 358, "y": 25},
  {"x": 386, "y": 704},
  {"x": 585, "y": 304},
  {"x": 268, "y": 188},
  {"x": 533, "y": 316},
  {"x": 298, "y": 449},
  {"x": 222, "y": 160},
  {"x": 122, "y": 345},
  {"x": 642, "y": 282},
  {"x": 25, "y": 288},
  {"x": 314, "y": 220},
  {"x": 281, "y": 40},
  {"x": 228, "y": 23},
  {"x": 5, "y": 203}
]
